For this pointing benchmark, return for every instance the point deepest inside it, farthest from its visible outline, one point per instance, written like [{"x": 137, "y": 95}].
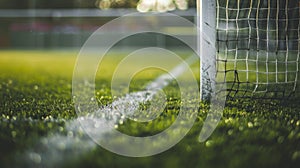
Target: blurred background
[{"x": 61, "y": 24}]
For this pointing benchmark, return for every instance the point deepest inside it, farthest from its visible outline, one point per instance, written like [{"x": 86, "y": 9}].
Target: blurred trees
[{"x": 25, "y": 4}]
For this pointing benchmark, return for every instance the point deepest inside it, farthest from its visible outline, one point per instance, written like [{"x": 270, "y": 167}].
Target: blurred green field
[{"x": 36, "y": 102}]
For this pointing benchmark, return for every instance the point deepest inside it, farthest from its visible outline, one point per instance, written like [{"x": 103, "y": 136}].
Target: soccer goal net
[{"x": 256, "y": 49}]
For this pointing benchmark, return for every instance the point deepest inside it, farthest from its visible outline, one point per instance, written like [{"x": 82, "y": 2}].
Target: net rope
[{"x": 257, "y": 45}]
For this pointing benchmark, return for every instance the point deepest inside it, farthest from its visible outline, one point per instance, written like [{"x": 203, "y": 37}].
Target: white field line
[{"x": 53, "y": 150}]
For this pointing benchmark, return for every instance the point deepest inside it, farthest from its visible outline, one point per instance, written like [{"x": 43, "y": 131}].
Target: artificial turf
[{"x": 36, "y": 102}]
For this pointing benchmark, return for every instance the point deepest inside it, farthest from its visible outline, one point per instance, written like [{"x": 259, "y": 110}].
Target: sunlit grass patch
[{"x": 36, "y": 102}]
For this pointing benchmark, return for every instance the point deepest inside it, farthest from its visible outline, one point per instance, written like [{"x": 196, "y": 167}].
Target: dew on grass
[
  {"x": 291, "y": 135},
  {"x": 97, "y": 125},
  {"x": 13, "y": 134},
  {"x": 61, "y": 129},
  {"x": 48, "y": 118},
  {"x": 296, "y": 155},
  {"x": 280, "y": 139},
  {"x": 230, "y": 132},
  {"x": 229, "y": 120},
  {"x": 208, "y": 143},
  {"x": 35, "y": 157},
  {"x": 188, "y": 148},
  {"x": 61, "y": 146},
  {"x": 70, "y": 134},
  {"x": 256, "y": 123},
  {"x": 50, "y": 125},
  {"x": 44, "y": 141},
  {"x": 250, "y": 125}
]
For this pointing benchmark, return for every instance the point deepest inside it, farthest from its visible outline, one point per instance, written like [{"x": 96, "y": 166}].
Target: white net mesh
[{"x": 257, "y": 45}]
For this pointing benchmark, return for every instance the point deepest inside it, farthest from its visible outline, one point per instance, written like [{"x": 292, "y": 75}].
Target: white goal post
[{"x": 255, "y": 49}]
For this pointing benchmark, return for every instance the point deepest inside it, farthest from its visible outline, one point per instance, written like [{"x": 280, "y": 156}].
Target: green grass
[{"x": 36, "y": 102}]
